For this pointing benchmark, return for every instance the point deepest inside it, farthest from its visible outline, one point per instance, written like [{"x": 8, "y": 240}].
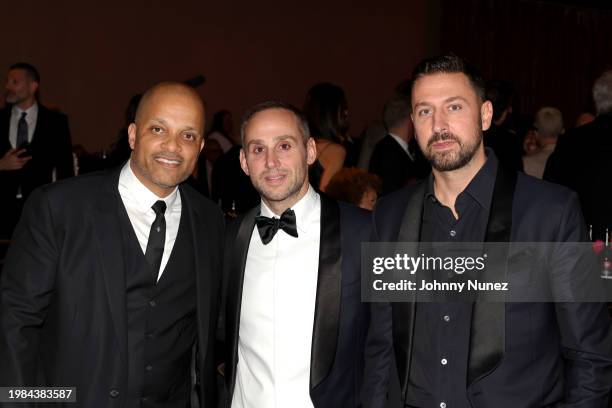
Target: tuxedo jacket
[
  {"x": 391, "y": 162},
  {"x": 521, "y": 354},
  {"x": 341, "y": 320},
  {"x": 63, "y": 291}
]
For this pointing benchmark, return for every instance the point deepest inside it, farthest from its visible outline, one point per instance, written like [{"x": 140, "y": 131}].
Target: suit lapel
[
  {"x": 329, "y": 293},
  {"x": 5, "y": 123},
  {"x": 109, "y": 242},
  {"x": 41, "y": 123},
  {"x": 408, "y": 237},
  {"x": 487, "y": 338},
  {"x": 234, "y": 266},
  {"x": 198, "y": 225}
]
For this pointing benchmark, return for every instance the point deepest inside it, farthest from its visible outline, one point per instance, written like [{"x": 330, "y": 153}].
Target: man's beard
[{"x": 452, "y": 160}]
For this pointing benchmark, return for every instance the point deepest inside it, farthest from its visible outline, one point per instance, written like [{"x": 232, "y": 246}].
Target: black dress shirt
[{"x": 439, "y": 365}]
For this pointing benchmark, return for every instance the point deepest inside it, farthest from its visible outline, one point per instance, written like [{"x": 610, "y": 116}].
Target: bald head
[{"x": 170, "y": 90}]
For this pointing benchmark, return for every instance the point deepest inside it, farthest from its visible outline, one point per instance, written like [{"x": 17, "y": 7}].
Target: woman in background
[{"x": 326, "y": 110}]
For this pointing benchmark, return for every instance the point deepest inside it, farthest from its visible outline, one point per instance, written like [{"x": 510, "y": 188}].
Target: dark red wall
[{"x": 92, "y": 59}]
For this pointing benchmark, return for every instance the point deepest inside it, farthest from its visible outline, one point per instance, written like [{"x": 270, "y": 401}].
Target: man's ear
[
  {"x": 243, "y": 162},
  {"x": 202, "y": 144},
  {"x": 486, "y": 114},
  {"x": 132, "y": 129},
  {"x": 33, "y": 87},
  {"x": 311, "y": 151}
]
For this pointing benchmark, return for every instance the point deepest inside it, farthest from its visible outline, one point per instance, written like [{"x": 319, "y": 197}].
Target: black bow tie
[{"x": 268, "y": 227}]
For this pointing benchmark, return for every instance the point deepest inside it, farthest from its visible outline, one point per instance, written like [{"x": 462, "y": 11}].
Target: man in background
[
  {"x": 581, "y": 160},
  {"x": 397, "y": 158},
  {"x": 548, "y": 126},
  {"x": 35, "y": 145}
]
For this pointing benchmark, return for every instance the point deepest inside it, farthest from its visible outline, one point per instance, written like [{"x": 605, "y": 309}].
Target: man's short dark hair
[
  {"x": 397, "y": 109},
  {"x": 29, "y": 69},
  {"x": 451, "y": 64},
  {"x": 267, "y": 105}
]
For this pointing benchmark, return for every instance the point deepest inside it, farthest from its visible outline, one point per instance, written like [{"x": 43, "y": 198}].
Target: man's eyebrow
[
  {"x": 455, "y": 98},
  {"x": 160, "y": 120},
  {"x": 447, "y": 100},
  {"x": 274, "y": 140}
]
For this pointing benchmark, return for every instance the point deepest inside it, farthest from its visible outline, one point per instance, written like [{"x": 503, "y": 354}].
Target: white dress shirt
[
  {"x": 403, "y": 144},
  {"x": 138, "y": 201},
  {"x": 31, "y": 118},
  {"x": 277, "y": 313}
]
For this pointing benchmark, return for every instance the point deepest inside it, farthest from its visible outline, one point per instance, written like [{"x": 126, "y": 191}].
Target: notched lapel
[
  {"x": 329, "y": 293},
  {"x": 108, "y": 236}
]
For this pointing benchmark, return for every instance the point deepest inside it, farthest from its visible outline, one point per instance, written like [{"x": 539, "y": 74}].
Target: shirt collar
[
  {"x": 144, "y": 197},
  {"x": 32, "y": 110},
  {"x": 480, "y": 188},
  {"x": 305, "y": 209},
  {"x": 399, "y": 141}
]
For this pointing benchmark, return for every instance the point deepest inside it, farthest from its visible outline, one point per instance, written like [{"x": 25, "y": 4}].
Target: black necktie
[
  {"x": 268, "y": 227},
  {"x": 22, "y": 131},
  {"x": 157, "y": 237}
]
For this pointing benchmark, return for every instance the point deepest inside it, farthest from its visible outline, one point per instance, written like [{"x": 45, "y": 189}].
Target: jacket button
[{"x": 114, "y": 393}]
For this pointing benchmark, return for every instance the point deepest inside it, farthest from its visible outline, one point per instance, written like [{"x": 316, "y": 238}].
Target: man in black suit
[
  {"x": 396, "y": 158},
  {"x": 35, "y": 146},
  {"x": 484, "y": 354},
  {"x": 294, "y": 320},
  {"x": 112, "y": 276},
  {"x": 581, "y": 160}
]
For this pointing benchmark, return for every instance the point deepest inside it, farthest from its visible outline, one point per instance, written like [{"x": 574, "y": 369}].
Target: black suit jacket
[
  {"x": 581, "y": 161},
  {"x": 521, "y": 354},
  {"x": 341, "y": 320},
  {"x": 63, "y": 295},
  {"x": 51, "y": 148},
  {"x": 391, "y": 162}
]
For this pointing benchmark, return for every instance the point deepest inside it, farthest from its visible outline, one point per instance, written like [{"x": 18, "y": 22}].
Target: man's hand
[{"x": 12, "y": 161}]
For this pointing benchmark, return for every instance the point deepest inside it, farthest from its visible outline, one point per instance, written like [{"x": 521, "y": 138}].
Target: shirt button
[
  {"x": 443, "y": 404},
  {"x": 114, "y": 393},
  {"x": 444, "y": 361},
  {"x": 453, "y": 233},
  {"x": 149, "y": 367},
  {"x": 446, "y": 318},
  {"x": 152, "y": 303},
  {"x": 150, "y": 335}
]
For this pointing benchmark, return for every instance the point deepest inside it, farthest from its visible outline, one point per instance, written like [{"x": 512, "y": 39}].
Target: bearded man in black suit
[{"x": 483, "y": 353}]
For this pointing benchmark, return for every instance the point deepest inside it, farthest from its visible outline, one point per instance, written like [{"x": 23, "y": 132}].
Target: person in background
[
  {"x": 35, "y": 144},
  {"x": 326, "y": 110},
  {"x": 581, "y": 160},
  {"x": 501, "y": 137},
  {"x": 548, "y": 126},
  {"x": 396, "y": 158},
  {"x": 222, "y": 130},
  {"x": 355, "y": 186}
]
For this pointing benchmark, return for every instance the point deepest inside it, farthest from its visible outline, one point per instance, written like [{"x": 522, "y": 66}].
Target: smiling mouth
[
  {"x": 275, "y": 179},
  {"x": 167, "y": 162}
]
